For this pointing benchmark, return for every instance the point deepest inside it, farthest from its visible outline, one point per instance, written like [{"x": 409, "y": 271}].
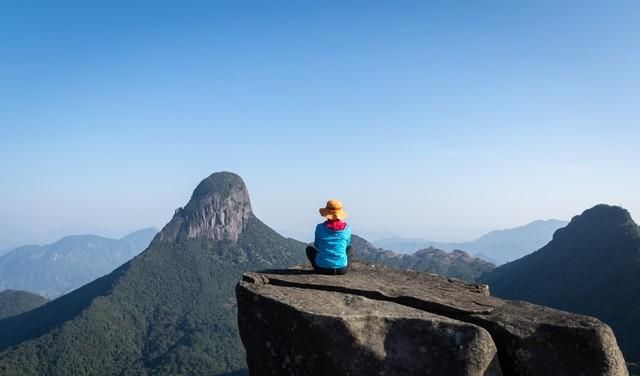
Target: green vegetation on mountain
[
  {"x": 221, "y": 183},
  {"x": 169, "y": 311},
  {"x": 592, "y": 266},
  {"x": 457, "y": 264},
  {"x": 14, "y": 302}
]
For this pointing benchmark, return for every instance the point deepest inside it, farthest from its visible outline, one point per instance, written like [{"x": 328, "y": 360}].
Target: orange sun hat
[{"x": 333, "y": 210}]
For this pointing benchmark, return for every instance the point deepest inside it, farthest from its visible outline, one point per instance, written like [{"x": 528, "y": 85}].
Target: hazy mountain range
[
  {"x": 457, "y": 264},
  {"x": 592, "y": 266},
  {"x": 497, "y": 246},
  {"x": 54, "y": 269}
]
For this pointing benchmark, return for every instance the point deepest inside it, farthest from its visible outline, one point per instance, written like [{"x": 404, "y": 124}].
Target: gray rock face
[
  {"x": 293, "y": 332},
  {"x": 218, "y": 210},
  {"x": 377, "y": 320}
]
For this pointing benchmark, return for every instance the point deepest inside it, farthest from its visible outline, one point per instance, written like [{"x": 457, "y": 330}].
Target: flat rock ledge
[{"x": 383, "y": 321}]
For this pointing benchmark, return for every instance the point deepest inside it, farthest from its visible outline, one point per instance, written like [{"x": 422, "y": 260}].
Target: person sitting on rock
[{"x": 331, "y": 249}]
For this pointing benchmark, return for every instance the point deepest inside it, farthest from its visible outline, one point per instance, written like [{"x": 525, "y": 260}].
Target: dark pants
[{"x": 312, "y": 252}]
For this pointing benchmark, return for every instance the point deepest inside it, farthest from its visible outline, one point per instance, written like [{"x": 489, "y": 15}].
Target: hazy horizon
[
  {"x": 302, "y": 235},
  {"x": 428, "y": 120}
]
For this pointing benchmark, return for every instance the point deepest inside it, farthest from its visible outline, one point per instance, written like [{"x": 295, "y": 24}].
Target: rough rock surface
[
  {"x": 296, "y": 322},
  {"x": 221, "y": 215},
  {"x": 329, "y": 333}
]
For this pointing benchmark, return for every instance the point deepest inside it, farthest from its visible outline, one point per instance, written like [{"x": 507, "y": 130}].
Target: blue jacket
[{"x": 332, "y": 246}]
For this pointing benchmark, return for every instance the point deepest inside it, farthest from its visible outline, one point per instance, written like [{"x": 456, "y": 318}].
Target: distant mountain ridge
[
  {"x": 592, "y": 266},
  {"x": 457, "y": 264},
  {"x": 497, "y": 246},
  {"x": 14, "y": 302},
  {"x": 54, "y": 269}
]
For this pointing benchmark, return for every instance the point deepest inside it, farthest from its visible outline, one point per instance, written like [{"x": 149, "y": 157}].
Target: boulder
[
  {"x": 384, "y": 321},
  {"x": 288, "y": 331}
]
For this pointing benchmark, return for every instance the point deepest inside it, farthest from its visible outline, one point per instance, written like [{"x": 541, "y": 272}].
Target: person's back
[{"x": 330, "y": 251}]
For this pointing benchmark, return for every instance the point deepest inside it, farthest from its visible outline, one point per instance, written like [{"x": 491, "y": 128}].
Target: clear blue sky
[{"x": 434, "y": 119}]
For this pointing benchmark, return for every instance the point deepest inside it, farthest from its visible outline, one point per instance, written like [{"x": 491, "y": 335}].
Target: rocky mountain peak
[
  {"x": 218, "y": 210},
  {"x": 598, "y": 222}
]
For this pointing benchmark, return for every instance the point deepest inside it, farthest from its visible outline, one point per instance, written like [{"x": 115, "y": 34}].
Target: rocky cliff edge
[{"x": 383, "y": 321}]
